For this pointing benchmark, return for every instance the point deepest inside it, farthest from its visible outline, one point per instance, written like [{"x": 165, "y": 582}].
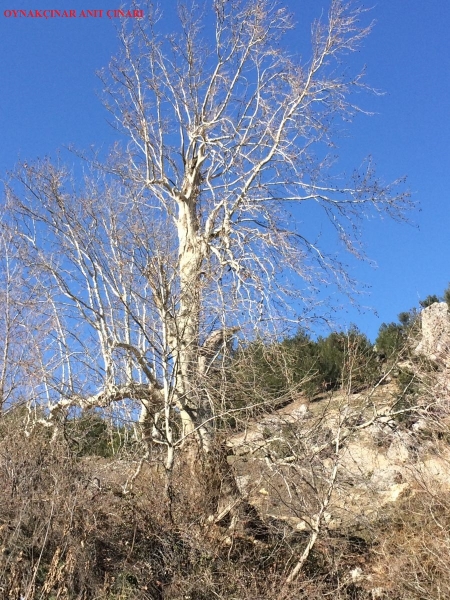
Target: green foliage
[
  {"x": 429, "y": 300},
  {"x": 329, "y": 362},
  {"x": 330, "y": 353},
  {"x": 447, "y": 295},
  {"x": 264, "y": 372},
  {"x": 407, "y": 396},
  {"x": 267, "y": 372},
  {"x": 90, "y": 435},
  {"x": 346, "y": 359},
  {"x": 390, "y": 340},
  {"x": 303, "y": 361},
  {"x": 333, "y": 361},
  {"x": 263, "y": 367},
  {"x": 405, "y": 318},
  {"x": 258, "y": 375},
  {"x": 433, "y": 298},
  {"x": 392, "y": 337}
]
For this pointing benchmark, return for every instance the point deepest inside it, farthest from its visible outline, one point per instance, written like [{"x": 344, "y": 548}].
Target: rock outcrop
[
  {"x": 378, "y": 464},
  {"x": 435, "y": 346},
  {"x": 435, "y": 342}
]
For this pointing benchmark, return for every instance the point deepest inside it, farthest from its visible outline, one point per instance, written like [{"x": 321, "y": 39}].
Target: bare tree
[
  {"x": 184, "y": 236},
  {"x": 24, "y": 326}
]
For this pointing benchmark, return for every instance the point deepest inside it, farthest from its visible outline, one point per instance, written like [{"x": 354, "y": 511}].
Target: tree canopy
[{"x": 183, "y": 238}]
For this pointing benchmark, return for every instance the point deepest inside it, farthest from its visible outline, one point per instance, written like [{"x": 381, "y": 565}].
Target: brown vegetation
[
  {"x": 84, "y": 521},
  {"x": 157, "y": 439}
]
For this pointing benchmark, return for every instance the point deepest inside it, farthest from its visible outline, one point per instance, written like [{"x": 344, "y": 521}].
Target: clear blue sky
[{"x": 49, "y": 99}]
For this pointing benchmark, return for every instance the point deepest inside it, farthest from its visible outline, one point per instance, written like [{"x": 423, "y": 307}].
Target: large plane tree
[{"x": 194, "y": 231}]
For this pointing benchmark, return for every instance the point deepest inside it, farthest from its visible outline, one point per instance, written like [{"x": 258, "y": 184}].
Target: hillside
[{"x": 343, "y": 494}]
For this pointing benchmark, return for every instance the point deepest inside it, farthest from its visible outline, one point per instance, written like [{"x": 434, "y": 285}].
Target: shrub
[
  {"x": 447, "y": 295},
  {"x": 346, "y": 359},
  {"x": 390, "y": 339},
  {"x": 429, "y": 300},
  {"x": 90, "y": 434}
]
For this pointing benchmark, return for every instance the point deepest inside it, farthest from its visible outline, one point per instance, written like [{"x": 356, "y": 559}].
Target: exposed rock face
[
  {"x": 285, "y": 460},
  {"x": 435, "y": 343}
]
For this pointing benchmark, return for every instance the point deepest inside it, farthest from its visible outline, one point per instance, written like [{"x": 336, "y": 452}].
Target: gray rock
[{"x": 435, "y": 342}]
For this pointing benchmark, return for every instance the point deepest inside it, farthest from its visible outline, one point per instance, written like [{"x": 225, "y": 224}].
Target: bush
[
  {"x": 447, "y": 295},
  {"x": 413, "y": 552},
  {"x": 267, "y": 373},
  {"x": 257, "y": 374},
  {"x": 65, "y": 535},
  {"x": 303, "y": 362},
  {"x": 90, "y": 434},
  {"x": 390, "y": 339},
  {"x": 429, "y": 300},
  {"x": 346, "y": 359}
]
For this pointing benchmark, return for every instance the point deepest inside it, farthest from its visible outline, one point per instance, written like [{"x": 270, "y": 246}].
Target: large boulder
[
  {"x": 435, "y": 342},
  {"x": 435, "y": 346}
]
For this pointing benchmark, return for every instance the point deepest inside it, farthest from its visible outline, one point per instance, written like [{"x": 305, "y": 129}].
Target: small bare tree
[
  {"x": 24, "y": 327},
  {"x": 184, "y": 236}
]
